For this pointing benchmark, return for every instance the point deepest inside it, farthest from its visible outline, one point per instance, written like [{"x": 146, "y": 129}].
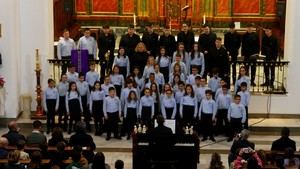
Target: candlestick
[
  {"x": 204, "y": 19},
  {"x": 134, "y": 20},
  {"x": 37, "y": 60}
]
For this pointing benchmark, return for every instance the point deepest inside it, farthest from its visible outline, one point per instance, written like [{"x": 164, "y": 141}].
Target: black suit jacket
[
  {"x": 188, "y": 39},
  {"x": 282, "y": 143},
  {"x": 13, "y": 137}
]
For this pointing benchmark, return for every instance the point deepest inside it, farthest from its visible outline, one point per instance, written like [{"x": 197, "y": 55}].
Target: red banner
[
  {"x": 246, "y": 7},
  {"x": 102, "y": 6},
  {"x": 222, "y": 7},
  {"x": 81, "y": 5},
  {"x": 271, "y": 6},
  {"x": 128, "y": 6}
]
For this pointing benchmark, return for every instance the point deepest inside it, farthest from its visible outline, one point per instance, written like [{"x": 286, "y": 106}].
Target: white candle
[
  {"x": 134, "y": 19},
  {"x": 170, "y": 25},
  {"x": 204, "y": 19}
]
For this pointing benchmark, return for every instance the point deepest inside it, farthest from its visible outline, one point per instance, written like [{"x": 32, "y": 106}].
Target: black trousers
[
  {"x": 222, "y": 123},
  {"x": 123, "y": 71},
  {"x": 112, "y": 124},
  {"x": 269, "y": 67},
  {"x": 62, "y": 112},
  {"x": 146, "y": 115},
  {"x": 75, "y": 116},
  {"x": 86, "y": 113},
  {"x": 253, "y": 67},
  {"x": 156, "y": 110},
  {"x": 246, "y": 125},
  {"x": 233, "y": 68},
  {"x": 165, "y": 72},
  {"x": 64, "y": 65},
  {"x": 118, "y": 90},
  {"x": 207, "y": 125},
  {"x": 130, "y": 120},
  {"x": 188, "y": 115},
  {"x": 97, "y": 110},
  {"x": 235, "y": 126},
  {"x": 51, "y": 103}
]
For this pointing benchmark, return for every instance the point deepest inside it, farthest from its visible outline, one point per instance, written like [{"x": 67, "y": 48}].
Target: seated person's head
[
  {"x": 160, "y": 120},
  {"x": 99, "y": 159},
  {"x": 3, "y": 142},
  {"x": 37, "y": 125},
  {"x": 36, "y": 157},
  {"x": 13, "y": 126},
  {"x": 285, "y": 132},
  {"x": 60, "y": 147},
  {"x": 119, "y": 164},
  {"x": 21, "y": 144},
  {"x": 245, "y": 134},
  {"x": 76, "y": 156},
  {"x": 80, "y": 127}
]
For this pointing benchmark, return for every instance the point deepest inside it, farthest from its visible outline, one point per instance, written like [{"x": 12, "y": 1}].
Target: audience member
[
  {"x": 81, "y": 138},
  {"x": 13, "y": 135},
  {"x": 284, "y": 141},
  {"x": 36, "y": 137},
  {"x": 247, "y": 159},
  {"x": 13, "y": 160},
  {"x": 99, "y": 162},
  {"x": 290, "y": 159},
  {"x": 57, "y": 136},
  {"x": 76, "y": 156},
  {"x": 119, "y": 164},
  {"x": 3, "y": 144},
  {"x": 44, "y": 150},
  {"x": 59, "y": 155},
  {"x": 240, "y": 142},
  {"x": 20, "y": 147},
  {"x": 36, "y": 161},
  {"x": 215, "y": 162}
]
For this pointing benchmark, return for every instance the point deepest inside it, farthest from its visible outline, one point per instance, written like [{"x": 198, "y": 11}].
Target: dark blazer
[
  {"x": 188, "y": 39},
  {"x": 13, "y": 137},
  {"x": 269, "y": 47},
  {"x": 282, "y": 143},
  {"x": 36, "y": 139},
  {"x": 169, "y": 43},
  {"x": 151, "y": 42},
  {"x": 250, "y": 44},
  {"x": 82, "y": 139},
  {"x": 129, "y": 43},
  {"x": 207, "y": 41},
  {"x": 232, "y": 43}
]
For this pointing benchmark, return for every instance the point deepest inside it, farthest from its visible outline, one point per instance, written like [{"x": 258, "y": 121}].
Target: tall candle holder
[{"x": 39, "y": 114}]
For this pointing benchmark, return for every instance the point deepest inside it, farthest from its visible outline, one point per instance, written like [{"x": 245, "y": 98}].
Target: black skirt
[
  {"x": 118, "y": 90},
  {"x": 169, "y": 112},
  {"x": 74, "y": 108},
  {"x": 62, "y": 105},
  {"x": 123, "y": 71},
  {"x": 165, "y": 72},
  {"x": 146, "y": 114},
  {"x": 51, "y": 103},
  {"x": 188, "y": 113},
  {"x": 97, "y": 109}
]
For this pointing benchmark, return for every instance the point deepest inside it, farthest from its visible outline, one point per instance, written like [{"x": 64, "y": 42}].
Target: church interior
[{"x": 33, "y": 31}]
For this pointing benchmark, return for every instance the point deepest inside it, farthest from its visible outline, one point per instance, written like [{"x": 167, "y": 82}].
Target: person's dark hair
[
  {"x": 192, "y": 93},
  {"x": 285, "y": 132},
  {"x": 237, "y": 96},
  {"x": 50, "y": 80},
  {"x": 80, "y": 127},
  {"x": 81, "y": 74},
  {"x": 208, "y": 92},
  {"x": 96, "y": 82},
  {"x": 232, "y": 25},
  {"x": 37, "y": 124},
  {"x": 105, "y": 27},
  {"x": 181, "y": 83},
  {"x": 160, "y": 120},
  {"x": 129, "y": 98},
  {"x": 225, "y": 86},
  {"x": 13, "y": 157},
  {"x": 205, "y": 25},
  {"x": 76, "y": 156},
  {"x": 243, "y": 84},
  {"x": 98, "y": 161},
  {"x": 193, "y": 51},
  {"x": 60, "y": 146},
  {"x": 198, "y": 78},
  {"x": 66, "y": 30},
  {"x": 215, "y": 162},
  {"x": 219, "y": 38},
  {"x": 119, "y": 52},
  {"x": 252, "y": 163},
  {"x": 250, "y": 25},
  {"x": 57, "y": 134},
  {"x": 119, "y": 164},
  {"x": 111, "y": 88},
  {"x": 36, "y": 160},
  {"x": 86, "y": 29},
  {"x": 21, "y": 144}
]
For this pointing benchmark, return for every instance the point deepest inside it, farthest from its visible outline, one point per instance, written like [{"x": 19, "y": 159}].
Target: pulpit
[{"x": 80, "y": 59}]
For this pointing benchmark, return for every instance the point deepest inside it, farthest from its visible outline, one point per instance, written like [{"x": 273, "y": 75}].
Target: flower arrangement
[{"x": 2, "y": 82}]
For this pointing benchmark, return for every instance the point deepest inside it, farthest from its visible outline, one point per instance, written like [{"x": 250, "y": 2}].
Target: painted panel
[
  {"x": 128, "y": 6},
  {"x": 270, "y": 6},
  {"x": 110, "y": 6},
  {"x": 162, "y": 7},
  {"x": 81, "y": 5},
  {"x": 222, "y": 7},
  {"x": 246, "y": 7}
]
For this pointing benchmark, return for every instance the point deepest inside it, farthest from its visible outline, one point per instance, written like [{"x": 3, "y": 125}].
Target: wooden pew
[{"x": 44, "y": 161}]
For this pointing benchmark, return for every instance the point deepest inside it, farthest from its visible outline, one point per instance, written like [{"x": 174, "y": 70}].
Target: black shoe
[
  {"x": 107, "y": 138},
  {"x": 118, "y": 137},
  {"x": 212, "y": 139},
  {"x": 128, "y": 137},
  {"x": 204, "y": 139},
  {"x": 253, "y": 84},
  {"x": 69, "y": 132},
  {"x": 48, "y": 131}
]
